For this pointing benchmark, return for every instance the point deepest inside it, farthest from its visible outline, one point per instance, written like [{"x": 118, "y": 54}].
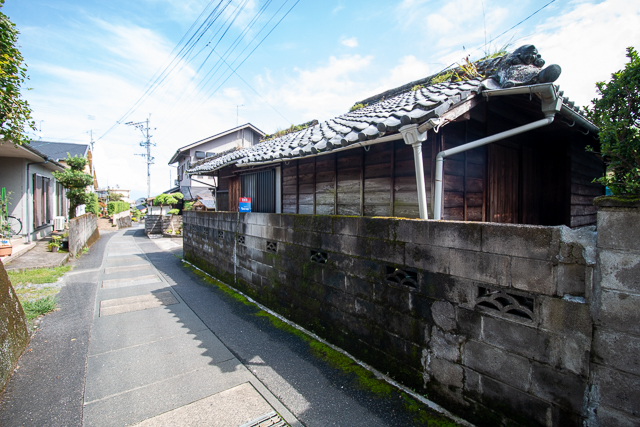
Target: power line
[{"x": 501, "y": 34}]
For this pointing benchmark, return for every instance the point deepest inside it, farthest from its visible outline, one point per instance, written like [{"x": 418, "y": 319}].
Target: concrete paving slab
[
  {"x": 127, "y": 268},
  {"x": 129, "y": 291},
  {"x": 140, "y": 403},
  {"x": 136, "y": 303},
  {"x": 115, "y": 332},
  {"x": 125, "y": 260},
  {"x": 131, "y": 281},
  {"x": 128, "y": 252},
  {"x": 230, "y": 408},
  {"x": 122, "y": 370}
]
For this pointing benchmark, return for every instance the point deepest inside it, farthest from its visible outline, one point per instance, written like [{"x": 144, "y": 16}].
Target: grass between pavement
[
  {"x": 37, "y": 288},
  {"x": 365, "y": 378}
]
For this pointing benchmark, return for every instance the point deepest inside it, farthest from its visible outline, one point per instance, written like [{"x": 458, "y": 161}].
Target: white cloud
[
  {"x": 589, "y": 42},
  {"x": 351, "y": 42}
]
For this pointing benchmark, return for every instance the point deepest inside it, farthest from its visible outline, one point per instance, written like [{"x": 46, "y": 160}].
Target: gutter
[{"x": 551, "y": 104}]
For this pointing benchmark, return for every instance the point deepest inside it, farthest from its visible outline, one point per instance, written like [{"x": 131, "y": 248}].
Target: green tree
[
  {"x": 92, "y": 204},
  {"x": 167, "y": 199},
  {"x": 617, "y": 114},
  {"x": 114, "y": 197},
  {"x": 75, "y": 181},
  {"x": 15, "y": 113}
]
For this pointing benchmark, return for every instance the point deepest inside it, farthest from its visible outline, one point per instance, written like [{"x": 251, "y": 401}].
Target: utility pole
[
  {"x": 144, "y": 128},
  {"x": 93, "y": 179}
]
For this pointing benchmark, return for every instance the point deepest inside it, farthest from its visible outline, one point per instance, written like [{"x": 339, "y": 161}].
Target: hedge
[{"x": 117, "y": 207}]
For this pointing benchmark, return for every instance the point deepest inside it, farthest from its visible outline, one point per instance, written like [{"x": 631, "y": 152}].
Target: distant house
[
  {"x": 500, "y": 145},
  {"x": 103, "y": 193},
  {"x": 58, "y": 151},
  {"x": 192, "y": 186},
  {"x": 35, "y": 196}
]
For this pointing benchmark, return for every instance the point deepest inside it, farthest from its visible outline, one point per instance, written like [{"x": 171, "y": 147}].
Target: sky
[{"x": 95, "y": 66}]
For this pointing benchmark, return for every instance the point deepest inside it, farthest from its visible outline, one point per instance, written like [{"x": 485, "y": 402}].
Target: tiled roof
[
  {"x": 364, "y": 124},
  {"x": 58, "y": 150},
  {"x": 415, "y": 102}
]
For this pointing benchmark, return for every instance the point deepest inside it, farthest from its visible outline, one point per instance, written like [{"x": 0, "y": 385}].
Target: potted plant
[{"x": 54, "y": 244}]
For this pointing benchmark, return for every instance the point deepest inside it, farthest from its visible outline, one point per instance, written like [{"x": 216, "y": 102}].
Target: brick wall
[{"x": 476, "y": 315}]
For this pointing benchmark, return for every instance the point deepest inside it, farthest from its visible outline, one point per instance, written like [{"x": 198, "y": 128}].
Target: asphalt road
[{"x": 49, "y": 387}]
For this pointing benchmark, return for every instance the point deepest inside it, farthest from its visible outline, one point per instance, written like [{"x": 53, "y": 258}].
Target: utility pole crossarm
[{"x": 144, "y": 128}]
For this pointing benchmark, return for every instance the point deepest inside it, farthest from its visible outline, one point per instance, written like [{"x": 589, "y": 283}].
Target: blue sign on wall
[{"x": 245, "y": 204}]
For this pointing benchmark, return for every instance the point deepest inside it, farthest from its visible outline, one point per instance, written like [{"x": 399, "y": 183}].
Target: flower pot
[
  {"x": 54, "y": 248},
  {"x": 6, "y": 250}
]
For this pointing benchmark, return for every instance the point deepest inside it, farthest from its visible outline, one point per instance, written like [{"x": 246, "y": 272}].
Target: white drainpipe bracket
[{"x": 413, "y": 137}]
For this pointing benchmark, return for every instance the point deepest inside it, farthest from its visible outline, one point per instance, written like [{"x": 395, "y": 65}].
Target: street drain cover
[{"x": 268, "y": 420}]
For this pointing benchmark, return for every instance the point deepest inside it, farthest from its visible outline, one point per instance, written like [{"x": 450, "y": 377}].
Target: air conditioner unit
[{"x": 58, "y": 223}]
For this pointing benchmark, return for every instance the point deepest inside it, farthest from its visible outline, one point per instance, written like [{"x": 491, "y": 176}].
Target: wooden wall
[
  {"x": 542, "y": 177},
  {"x": 379, "y": 181},
  {"x": 584, "y": 168}
]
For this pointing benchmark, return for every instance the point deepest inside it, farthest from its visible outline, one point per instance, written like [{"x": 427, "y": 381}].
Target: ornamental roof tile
[{"x": 383, "y": 114}]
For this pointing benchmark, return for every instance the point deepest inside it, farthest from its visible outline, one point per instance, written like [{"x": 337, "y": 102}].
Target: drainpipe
[
  {"x": 414, "y": 138},
  {"x": 551, "y": 104}
]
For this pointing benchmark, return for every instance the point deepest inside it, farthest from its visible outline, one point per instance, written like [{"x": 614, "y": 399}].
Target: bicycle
[{"x": 14, "y": 227}]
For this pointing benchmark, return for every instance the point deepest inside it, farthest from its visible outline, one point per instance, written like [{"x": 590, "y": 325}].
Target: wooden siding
[{"x": 585, "y": 167}]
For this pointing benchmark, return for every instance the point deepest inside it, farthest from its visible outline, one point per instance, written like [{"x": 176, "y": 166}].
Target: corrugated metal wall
[{"x": 261, "y": 187}]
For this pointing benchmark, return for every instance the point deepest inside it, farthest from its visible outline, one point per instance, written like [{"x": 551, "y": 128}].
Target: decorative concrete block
[
  {"x": 525, "y": 241},
  {"x": 483, "y": 267},
  {"x": 460, "y": 235},
  {"x": 617, "y": 350},
  {"x": 496, "y": 363},
  {"x": 532, "y": 275},
  {"x": 430, "y": 258},
  {"x": 619, "y": 270}
]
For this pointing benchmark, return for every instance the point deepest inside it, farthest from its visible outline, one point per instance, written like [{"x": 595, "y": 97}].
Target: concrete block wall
[
  {"x": 490, "y": 320},
  {"x": 158, "y": 224},
  {"x": 83, "y": 231},
  {"x": 615, "y": 371}
]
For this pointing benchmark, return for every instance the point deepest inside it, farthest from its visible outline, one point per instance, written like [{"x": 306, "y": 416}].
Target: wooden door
[{"x": 504, "y": 184}]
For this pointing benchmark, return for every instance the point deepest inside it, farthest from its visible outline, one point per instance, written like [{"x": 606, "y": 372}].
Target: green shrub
[
  {"x": 617, "y": 114},
  {"x": 92, "y": 204},
  {"x": 117, "y": 207}
]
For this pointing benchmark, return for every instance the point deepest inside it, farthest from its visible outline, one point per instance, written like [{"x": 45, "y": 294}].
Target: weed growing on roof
[
  {"x": 417, "y": 87},
  {"x": 287, "y": 131},
  {"x": 357, "y": 107}
]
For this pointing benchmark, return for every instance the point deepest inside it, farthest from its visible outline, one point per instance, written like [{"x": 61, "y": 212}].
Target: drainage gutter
[{"x": 551, "y": 104}]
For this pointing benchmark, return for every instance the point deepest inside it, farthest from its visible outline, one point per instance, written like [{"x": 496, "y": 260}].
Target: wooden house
[{"x": 519, "y": 154}]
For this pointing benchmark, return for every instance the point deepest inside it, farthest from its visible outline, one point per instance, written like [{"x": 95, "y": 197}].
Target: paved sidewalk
[
  {"x": 141, "y": 340},
  {"x": 151, "y": 358}
]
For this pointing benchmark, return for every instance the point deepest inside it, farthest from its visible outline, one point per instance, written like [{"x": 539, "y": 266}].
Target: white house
[{"x": 200, "y": 185}]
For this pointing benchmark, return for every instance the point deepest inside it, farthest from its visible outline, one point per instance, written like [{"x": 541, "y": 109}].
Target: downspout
[
  {"x": 414, "y": 138},
  {"x": 551, "y": 104}
]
